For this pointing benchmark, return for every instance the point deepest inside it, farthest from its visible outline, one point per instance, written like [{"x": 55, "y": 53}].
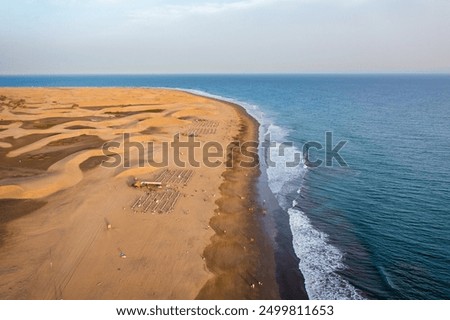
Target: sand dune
[
  {"x": 62, "y": 175},
  {"x": 66, "y": 219}
]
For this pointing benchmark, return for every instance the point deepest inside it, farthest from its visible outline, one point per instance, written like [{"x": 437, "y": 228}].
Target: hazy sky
[{"x": 235, "y": 36}]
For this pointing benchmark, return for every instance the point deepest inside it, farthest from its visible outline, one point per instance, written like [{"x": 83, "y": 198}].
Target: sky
[{"x": 217, "y": 36}]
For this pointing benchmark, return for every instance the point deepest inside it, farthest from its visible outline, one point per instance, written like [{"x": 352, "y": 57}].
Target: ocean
[{"x": 374, "y": 226}]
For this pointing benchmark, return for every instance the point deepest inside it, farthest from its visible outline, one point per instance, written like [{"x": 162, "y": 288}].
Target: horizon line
[{"x": 227, "y": 74}]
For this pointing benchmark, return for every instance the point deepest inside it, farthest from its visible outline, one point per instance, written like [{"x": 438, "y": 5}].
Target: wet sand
[{"x": 67, "y": 221}]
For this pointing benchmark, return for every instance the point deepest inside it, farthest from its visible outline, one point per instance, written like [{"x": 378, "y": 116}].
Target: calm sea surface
[{"x": 378, "y": 228}]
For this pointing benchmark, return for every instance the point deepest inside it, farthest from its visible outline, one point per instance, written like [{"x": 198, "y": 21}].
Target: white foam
[
  {"x": 319, "y": 261},
  {"x": 280, "y": 172},
  {"x": 277, "y": 133}
]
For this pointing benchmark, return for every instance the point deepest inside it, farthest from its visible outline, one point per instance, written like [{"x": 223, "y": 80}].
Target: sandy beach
[{"x": 73, "y": 228}]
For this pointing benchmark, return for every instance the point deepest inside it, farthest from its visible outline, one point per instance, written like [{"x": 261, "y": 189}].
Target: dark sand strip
[
  {"x": 240, "y": 254},
  {"x": 12, "y": 209}
]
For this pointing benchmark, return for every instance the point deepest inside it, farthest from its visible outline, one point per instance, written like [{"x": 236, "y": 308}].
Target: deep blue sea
[{"x": 378, "y": 228}]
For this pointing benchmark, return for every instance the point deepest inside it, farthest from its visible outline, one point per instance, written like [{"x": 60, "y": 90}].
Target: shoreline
[
  {"x": 272, "y": 221},
  {"x": 242, "y": 254},
  {"x": 289, "y": 277},
  {"x": 252, "y": 273}
]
